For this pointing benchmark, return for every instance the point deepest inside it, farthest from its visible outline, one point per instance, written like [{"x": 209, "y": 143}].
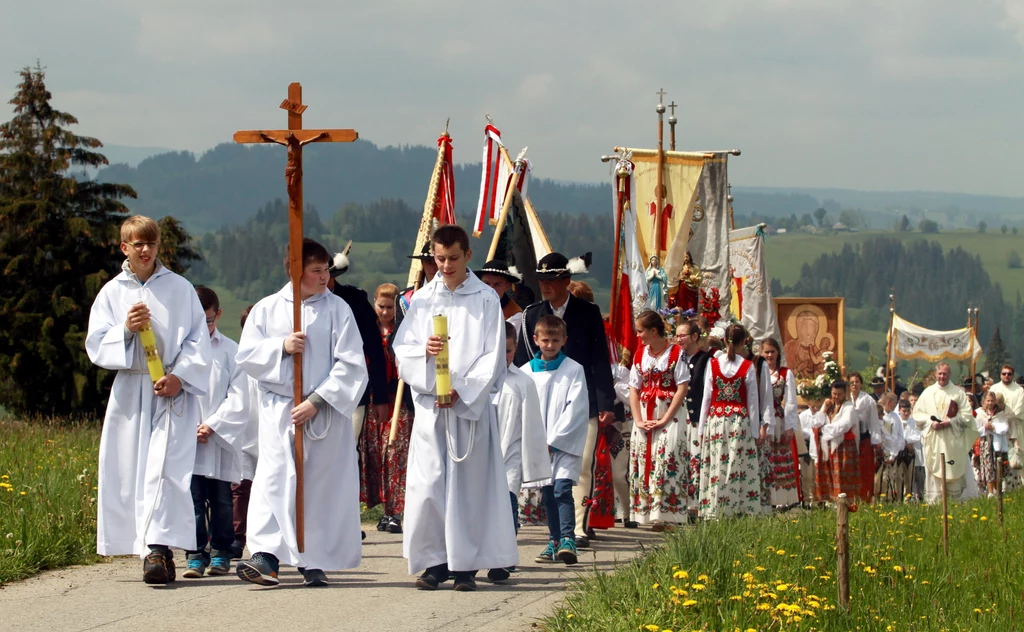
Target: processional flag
[
  {"x": 908, "y": 341},
  {"x": 632, "y": 292},
  {"x": 680, "y": 177},
  {"x": 751, "y": 291},
  {"x": 704, "y": 232},
  {"x": 521, "y": 242},
  {"x": 439, "y": 207},
  {"x": 495, "y": 174}
]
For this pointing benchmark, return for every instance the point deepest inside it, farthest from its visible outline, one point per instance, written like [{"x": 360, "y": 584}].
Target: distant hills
[{"x": 229, "y": 183}]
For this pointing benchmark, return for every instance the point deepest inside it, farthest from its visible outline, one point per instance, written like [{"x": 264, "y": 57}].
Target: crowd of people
[{"x": 546, "y": 421}]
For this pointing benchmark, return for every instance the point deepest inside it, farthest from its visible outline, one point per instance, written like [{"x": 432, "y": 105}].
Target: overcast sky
[{"x": 863, "y": 94}]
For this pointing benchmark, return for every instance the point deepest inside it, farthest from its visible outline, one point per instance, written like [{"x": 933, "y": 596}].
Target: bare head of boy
[
  {"x": 452, "y": 254},
  {"x": 211, "y": 306},
  {"x": 316, "y": 264},
  {"x": 140, "y": 243},
  {"x": 510, "y": 343},
  {"x": 550, "y": 336}
]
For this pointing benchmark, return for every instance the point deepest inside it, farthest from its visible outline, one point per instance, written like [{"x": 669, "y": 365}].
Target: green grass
[
  {"x": 47, "y": 496},
  {"x": 779, "y": 573},
  {"x": 787, "y": 253}
]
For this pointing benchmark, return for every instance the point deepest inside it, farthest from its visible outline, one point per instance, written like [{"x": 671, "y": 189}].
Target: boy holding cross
[{"x": 148, "y": 445}]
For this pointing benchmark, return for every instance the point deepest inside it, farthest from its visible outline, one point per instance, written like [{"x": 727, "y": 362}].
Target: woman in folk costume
[
  {"x": 993, "y": 426},
  {"x": 869, "y": 432},
  {"x": 781, "y": 448},
  {"x": 834, "y": 448},
  {"x": 730, "y": 429},
  {"x": 382, "y": 475},
  {"x": 661, "y": 481},
  {"x": 766, "y": 410}
]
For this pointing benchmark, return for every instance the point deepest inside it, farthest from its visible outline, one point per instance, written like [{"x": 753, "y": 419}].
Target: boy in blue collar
[{"x": 565, "y": 409}]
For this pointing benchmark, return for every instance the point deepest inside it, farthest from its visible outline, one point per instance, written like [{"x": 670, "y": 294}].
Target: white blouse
[{"x": 660, "y": 363}]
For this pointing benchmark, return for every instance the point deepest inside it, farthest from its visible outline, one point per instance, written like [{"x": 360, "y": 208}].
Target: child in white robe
[
  {"x": 456, "y": 491},
  {"x": 333, "y": 379},
  {"x": 565, "y": 410},
  {"x": 148, "y": 444},
  {"x": 250, "y": 453},
  {"x": 218, "y": 450}
]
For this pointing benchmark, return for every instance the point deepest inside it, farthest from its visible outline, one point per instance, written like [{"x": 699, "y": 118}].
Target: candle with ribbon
[{"x": 443, "y": 380}]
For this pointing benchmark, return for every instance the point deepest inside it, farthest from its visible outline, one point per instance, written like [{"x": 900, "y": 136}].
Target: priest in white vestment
[
  {"x": 952, "y": 436},
  {"x": 1013, "y": 397},
  {"x": 333, "y": 379},
  {"x": 148, "y": 443},
  {"x": 456, "y": 492}
]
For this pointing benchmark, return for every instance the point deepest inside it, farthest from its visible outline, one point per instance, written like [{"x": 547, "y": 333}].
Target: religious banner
[
  {"x": 521, "y": 243},
  {"x": 812, "y": 333},
  {"x": 704, "y": 234},
  {"x": 681, "y": 174},
  {"x": 751, "y": 292},
  {"x": 495, "y": 175},
  {"x": 439, "y": 207},
  {"x": 908, "y": 341},
  {"x": 632, "y": 293}
]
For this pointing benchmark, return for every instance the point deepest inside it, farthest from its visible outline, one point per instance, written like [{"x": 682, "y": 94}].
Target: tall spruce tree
[
  {"x": 996, "y": 355},
  {"x": 58, "y": 246}
]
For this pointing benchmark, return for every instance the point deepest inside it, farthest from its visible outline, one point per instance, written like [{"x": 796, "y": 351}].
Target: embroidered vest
[
  {"x": 729, "y": 394},
  {"x": 655, "y": 384}
]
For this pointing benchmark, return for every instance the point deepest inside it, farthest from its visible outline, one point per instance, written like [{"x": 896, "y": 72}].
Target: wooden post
[
  {"x": 999, "y": 488},
  {"x": 294, "y": 138},
  {"x": 843, "y": 550},
  {"x": 945, "y": 514},
  {"x": 622, "y": 173},
  {"x": 509, "y": 194}
]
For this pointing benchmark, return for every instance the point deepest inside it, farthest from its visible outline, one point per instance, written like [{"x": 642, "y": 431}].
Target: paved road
[{"x": 376, "y": 596}]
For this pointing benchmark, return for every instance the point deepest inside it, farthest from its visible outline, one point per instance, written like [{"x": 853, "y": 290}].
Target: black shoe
[
  {"x": 465, "y": 582},
  {"x": 583, "y": 542},
  {"x": 433, "y": 577},
  {"x": 498, "y": 574},
  {"x": 363, "y": 535},
  {"x": 154, "y": 568},
  {"x": 590, "y": 534},
  {"x": 314, "y": 577},
  {"x": 382, "y": 524},
  {"x": 630, "y": 524},
  {"x": 260, "y": 568},
  {"x": 394, "y": 525},
  {"x": 237, "y": 549}
]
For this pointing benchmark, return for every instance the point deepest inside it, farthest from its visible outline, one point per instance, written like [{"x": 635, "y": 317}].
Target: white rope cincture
[{"x": 452, "y": 452}]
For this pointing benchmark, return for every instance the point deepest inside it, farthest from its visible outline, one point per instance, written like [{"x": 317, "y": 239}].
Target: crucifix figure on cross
[{"x": 295, "y": 138}]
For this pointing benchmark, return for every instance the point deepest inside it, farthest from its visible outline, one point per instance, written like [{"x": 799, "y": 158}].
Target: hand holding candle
[
  {"x": 443, "y": 381},
  {"x": 153, "y": 361}
]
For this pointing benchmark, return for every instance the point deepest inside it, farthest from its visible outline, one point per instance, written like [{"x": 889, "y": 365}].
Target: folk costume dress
[
  {"x": 729, "y": 424},
  {"x": 334, "y": 369},
  {"x": 662, "y": 482},
  {"x": 148, "y": 444},
  {"x": 456, "y": 490},
  {"x": 781, "y": 452},
  {"x": 834, "y": 450},
  {"x": 869, "y": 432},
  {"x": 383, "y": 481}
]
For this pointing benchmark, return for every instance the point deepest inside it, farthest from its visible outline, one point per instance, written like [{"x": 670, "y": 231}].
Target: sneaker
[
  {"x": 433, "y": 577},
  {"x": 169, "y": 564},
  {"x": 314, "y": 577},
  {"x": 547, "y": 556},
  {"x": 498, "y": 574},
  {"x": 394, "y": 525},
  {"x": 154, "y": 568},
  {"x": 260, "y": 568},
  {"x": 465, "y": 582},
  {"x": 382, "y": 524},
  {"x": 195, "y": 566},
  {"x": 567, "y": 551},
  {"x": 220, "y": 563}
]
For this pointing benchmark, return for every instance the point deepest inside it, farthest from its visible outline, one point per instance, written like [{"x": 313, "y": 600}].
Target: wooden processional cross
[{"x": 294, "y": 138}]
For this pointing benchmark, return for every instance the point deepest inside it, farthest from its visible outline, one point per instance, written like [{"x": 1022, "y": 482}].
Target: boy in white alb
[
  {"x": 565, "y": 409},
  {"x": 148, "y": 445},
  {"x": 333, "y": 379},
  {"x": 218, "y": 452}
]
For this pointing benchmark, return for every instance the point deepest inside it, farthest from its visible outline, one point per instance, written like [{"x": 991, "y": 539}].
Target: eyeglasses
[
  {"x": 139, "y": 245},
  {"x": 210, "y": 321},
  {"x": 1009, "y": 373}
]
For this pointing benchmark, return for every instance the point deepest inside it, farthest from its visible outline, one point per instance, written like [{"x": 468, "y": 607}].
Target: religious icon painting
[{"x": 811, "y": 328}]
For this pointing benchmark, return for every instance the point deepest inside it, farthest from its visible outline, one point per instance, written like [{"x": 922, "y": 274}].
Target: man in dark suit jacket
[{"x": 587, "y": 345}]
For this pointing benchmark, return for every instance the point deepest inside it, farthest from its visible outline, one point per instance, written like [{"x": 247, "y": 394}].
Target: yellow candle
[
  {"x": 444, "y": 380},
  {"x": 153, "y": 361}
]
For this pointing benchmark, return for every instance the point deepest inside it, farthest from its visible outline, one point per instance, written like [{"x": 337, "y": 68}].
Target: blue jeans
[
  {"x": 559, "y": 506},
  {"x": 211, "y": 500}
]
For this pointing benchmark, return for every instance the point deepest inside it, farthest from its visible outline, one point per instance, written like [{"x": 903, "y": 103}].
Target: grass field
[
  {"x": 779, "y": 573},
  {"x": 787, "y": 253}
]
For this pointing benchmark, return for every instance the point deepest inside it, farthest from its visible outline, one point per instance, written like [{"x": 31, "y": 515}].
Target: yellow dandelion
[
  {"x": 24, "y": 493},
  {"x": 977, "y": 610},
  {"x": 698, "y": 586},
  {"x": 689, "y": 602},
  {"x": 809, "y": 568},
  {"x": 782, "y": 587},
  {"x": 650, "y": 627},
  {"x": 656, "y": 586},
  {"x": 780, "y": 552},
  {"x": 735, "y": 598},
  {"x": 763, "y": 606},
  {"x": 984, "y": 518},
  {"x": 759, "y": 568},
  {"x": 681, "y": 575},
  {"x": 925, "y": 582},
  {"x": 703, "y": 578},
  {"x": 569, "y": 616},
  {"x": 898, "y": 568}
]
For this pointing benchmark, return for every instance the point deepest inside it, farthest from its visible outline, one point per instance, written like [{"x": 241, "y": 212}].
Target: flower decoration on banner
[
  {"x": 820, "y": 387},
  {"x": 710, "y": 304},
  {"x": 671, "y": 316}
]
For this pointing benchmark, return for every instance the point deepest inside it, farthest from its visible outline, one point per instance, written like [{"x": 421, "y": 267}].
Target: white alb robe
[
  {"x": 456, "y": 512},
  {"x": 893, "y": 440},
  {"x": 565, "y": 412},
  {"x": 523, "y": 441},
  {"x": 221, "y": 456},
  {"x": 832, "y": 430},
  {"x": 148, "y": 444},
  {"x": 954, "y": 442},
  {"x": 865, "y": 412},
  {"x": 334, "y": 367},
  {"x": 1013, "y": 398}
]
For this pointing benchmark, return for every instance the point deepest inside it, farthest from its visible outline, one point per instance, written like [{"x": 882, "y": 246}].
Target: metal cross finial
[
  {"x": 661, "y": 95},
  {"x": 672, "y": 108},
  {"x": 490, "y": 121}
]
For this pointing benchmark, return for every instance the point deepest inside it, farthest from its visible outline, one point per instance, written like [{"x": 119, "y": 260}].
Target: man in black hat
[
  {"x": 877, "y": 387},
  {"x": 366, "y": 321},
  {"x": 429, "y": 266},
  {"x": 502, "y": 278},
  {"x": 587, "y": 345}
]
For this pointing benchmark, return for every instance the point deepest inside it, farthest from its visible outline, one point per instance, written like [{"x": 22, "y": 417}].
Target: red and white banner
[
  {"x": 444, "y": 208},
  {"x": 495, "y": 175},
  {"x": 632, "y": 292}
]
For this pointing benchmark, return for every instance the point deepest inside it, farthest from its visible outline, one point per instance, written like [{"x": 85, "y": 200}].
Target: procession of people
[{"x": 458, "y": 431}]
